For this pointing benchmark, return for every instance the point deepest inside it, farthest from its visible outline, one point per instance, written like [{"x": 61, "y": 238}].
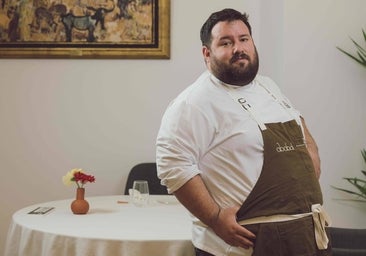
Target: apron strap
[
  {"x": 238, "y": 98},
  {"x": 247, "y": 107},
  {"x": 321, "y": 220},
  {"x": 320, "y": 217},
  {"x": 280, "y": 100}
]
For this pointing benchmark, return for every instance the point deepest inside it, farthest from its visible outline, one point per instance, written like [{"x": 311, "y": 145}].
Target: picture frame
[{"x": 85, "y": 29}]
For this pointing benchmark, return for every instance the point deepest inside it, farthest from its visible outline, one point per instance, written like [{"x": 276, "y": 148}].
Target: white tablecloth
[{"x": 109, "y": 229}]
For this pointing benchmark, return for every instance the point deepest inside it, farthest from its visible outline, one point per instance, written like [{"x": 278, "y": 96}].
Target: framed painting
[{"x": 104, "y": 29}]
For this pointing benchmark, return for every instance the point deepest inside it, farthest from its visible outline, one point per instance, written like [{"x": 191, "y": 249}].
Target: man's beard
[{"x": 236, "y": 75}]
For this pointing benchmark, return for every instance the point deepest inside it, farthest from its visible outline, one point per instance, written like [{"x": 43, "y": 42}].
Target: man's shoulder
[{"x": 200, "y": 88}]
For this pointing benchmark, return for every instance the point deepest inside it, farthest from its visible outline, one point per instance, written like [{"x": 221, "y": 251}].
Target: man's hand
[
  {"x": 227, "y": 228},
  {"x": 196, "y": 198}
]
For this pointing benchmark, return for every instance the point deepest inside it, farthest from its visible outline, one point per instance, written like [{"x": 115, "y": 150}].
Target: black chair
[
  {"x": 146, "y": 171},
  {"x": 348, "y": 241}
]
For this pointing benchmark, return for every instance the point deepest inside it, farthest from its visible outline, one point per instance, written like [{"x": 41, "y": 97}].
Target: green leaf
[
  {"x": 349, "y": 192},
  {"x": 362, "y": 58},
  {"x": 353, "y": 200},
  {"x": 357, "y": 183},
  {"x": 361, "y": 53},
  {"x": 355, "y": 180},
  {"x": 363, "y": 152},
  {"x": 351, "y": 56}
]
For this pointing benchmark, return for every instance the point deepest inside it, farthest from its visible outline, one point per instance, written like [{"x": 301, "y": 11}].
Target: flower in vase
[{"x": 77, "y": 176}]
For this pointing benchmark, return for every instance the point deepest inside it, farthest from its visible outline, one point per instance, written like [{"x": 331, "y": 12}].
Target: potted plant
[
  {"x": 359, "y": 184},
  {"x": 350, "y": 241},
  {"x": 361, "y": 52}
]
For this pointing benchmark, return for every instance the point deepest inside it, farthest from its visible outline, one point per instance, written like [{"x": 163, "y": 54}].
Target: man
[{"x": 239, "y": 157}]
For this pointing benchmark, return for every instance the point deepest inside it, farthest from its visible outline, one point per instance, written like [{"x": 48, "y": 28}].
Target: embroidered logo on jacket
[{"x": 284, "y": 148}]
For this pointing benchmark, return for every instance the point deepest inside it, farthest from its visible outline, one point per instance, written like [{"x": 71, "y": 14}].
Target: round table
[{"x": 113, "y": 226}]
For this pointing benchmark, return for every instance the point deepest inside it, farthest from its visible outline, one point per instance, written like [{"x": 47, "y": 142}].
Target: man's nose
[{"x": 238, "y": 48}]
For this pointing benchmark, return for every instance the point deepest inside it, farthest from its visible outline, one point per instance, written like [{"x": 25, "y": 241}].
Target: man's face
[{"x": 232, "y": 56}]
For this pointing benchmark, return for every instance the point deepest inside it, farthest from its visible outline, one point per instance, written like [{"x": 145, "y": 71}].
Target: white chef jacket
[{"x": 204, "y": 131}]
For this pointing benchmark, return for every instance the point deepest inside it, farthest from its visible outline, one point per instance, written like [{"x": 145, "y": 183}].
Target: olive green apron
[{"x": 287, "y": 186}]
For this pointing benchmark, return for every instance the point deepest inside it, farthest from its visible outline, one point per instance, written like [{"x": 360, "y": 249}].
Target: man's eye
[{"x": 226, "y": 43}]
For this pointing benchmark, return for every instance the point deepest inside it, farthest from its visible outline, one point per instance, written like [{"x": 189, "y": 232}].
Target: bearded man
[{"x": 238, "y": 155}]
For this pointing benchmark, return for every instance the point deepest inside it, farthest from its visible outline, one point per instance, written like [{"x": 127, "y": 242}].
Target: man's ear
[{"x": 206, "y": 53}]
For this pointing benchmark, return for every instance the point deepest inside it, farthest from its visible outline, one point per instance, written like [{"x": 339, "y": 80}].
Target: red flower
[
  {"x": 78, "y": 176},
  {"x": 83, "y": 178}
]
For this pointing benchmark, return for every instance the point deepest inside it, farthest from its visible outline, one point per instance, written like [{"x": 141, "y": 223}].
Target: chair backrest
[
  {"x": 146, "y": 171},
  {"x": 348, "y": 241}
]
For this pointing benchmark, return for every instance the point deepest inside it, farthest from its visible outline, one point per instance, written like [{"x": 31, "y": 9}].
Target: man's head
[{"x": 228, "y": 47}]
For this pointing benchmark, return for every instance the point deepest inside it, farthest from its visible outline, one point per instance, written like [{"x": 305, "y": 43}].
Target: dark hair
[{"x": 216, "y": 17}]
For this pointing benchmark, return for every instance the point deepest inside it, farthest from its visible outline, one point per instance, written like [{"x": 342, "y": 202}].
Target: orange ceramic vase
[{"x": 80, "y": 205}]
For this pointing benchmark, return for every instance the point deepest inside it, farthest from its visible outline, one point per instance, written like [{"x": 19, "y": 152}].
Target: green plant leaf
[
  {"x": 349, "y": 191},
  {"x": 353, "y": 57},
  {"x": 355, "y": 180},
  {"x": 363, "y": 152},
  {"x": 352, "y": 200},
  {"x": 361, "y": 53},
  {"x": 362, "y": 58},
  {"x": 359, "y": 47},
  {"x": 357, "y": 183}
]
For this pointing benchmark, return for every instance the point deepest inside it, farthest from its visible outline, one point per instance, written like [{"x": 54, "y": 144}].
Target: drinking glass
[{"x": 140, "y": 192}]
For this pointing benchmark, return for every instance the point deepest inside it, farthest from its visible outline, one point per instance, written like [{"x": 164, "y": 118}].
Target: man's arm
[
  {"x": 312, "y": 148},
  {"x": 196, "y": 198}
]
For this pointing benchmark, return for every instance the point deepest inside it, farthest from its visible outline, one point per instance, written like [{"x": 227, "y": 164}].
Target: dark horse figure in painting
[{"x": 85, "y": 23}]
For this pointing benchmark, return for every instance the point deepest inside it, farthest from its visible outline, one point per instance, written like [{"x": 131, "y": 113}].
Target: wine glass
[{"x": 140, "y": 192}]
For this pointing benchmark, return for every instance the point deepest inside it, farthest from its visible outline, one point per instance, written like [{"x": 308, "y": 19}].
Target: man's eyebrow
[
  {"x": 225, "y": 37},
  {"x": 229, "y": 36}
]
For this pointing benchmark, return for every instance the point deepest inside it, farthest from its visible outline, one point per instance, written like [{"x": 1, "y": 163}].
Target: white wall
[
  {"x": 103, "y": 115},
  {"x": 329, "y": 88}
]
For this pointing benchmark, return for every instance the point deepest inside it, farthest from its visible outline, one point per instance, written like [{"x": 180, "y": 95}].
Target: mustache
[{"x": 238, "y": 56}]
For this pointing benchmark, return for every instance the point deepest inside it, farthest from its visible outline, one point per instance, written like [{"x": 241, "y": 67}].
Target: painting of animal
[
  {"x": 43, "y": 20},
  {"x": 84, "y": 28},
  {"x": 100, "y": 14},
  {"x": 84, "y": 23}
]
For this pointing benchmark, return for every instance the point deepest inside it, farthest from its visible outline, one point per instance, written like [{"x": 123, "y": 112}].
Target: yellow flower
[{"x": 68, "y": 179}]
